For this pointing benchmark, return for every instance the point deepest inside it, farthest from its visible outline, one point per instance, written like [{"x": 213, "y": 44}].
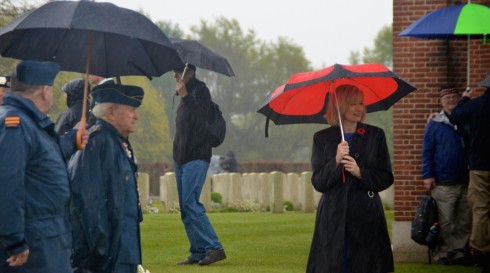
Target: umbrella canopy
[
  {"x": 452, "y": 22},
  {"x": 303, "y": 99},
  {"x": 123, "y": 42},
  {"x": 193, "y": 52},
  {"x": 469, "y": 21}
]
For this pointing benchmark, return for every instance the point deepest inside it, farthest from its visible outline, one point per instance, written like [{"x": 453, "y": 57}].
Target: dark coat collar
[
  {"x": 30, "y": 108},
  {"x": 335, "y": 135}
]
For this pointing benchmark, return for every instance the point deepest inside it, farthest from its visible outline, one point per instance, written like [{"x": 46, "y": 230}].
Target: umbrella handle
[
  {"x": 183, "y": 73},
  {"x": 83, "y": 120},
  {"x": 340, "y": 117},
  {"x": 79, "y": 136}
]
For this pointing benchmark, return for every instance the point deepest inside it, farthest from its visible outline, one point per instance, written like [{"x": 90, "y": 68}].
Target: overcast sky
[{"x": 328, "y": 30}]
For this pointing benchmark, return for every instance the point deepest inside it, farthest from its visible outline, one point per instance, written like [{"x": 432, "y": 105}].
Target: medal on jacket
[{"x": 126, "y": 148}]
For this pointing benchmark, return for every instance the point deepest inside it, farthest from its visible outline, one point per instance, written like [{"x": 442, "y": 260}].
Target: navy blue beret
[
  {"x": 117, "y": 93},
  {"x": 36, "y": 73},
  {"x": 5, "y": 81}
]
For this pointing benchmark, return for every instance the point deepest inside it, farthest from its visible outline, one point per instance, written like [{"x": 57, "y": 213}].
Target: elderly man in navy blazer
[{"x": 105, "y": 203}]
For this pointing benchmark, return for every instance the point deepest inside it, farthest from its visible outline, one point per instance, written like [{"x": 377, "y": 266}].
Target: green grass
[{"x": 254, "y": 242}]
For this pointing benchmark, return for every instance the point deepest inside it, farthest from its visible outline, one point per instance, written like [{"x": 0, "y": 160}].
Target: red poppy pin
[{"x": 361, "y": 131}]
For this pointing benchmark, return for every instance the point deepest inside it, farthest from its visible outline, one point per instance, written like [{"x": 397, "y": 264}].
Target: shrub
[
  {"x": 216, "y": 197},
  {"x": 288, "y": 205},
  {"x": 243, "y": 206}
]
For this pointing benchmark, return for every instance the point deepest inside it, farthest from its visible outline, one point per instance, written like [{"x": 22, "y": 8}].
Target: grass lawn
[{"x": 254, "y": 243}]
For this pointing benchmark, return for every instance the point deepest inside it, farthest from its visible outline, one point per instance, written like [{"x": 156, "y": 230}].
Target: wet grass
[{"x": 254, "y": 243}]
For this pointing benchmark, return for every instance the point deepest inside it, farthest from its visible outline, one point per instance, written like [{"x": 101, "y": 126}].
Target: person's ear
[{"x": 45, "y": 92}]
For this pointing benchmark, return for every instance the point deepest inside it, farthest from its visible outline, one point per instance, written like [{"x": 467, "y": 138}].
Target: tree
[
  {"x": 381, "y": 53},
  {"x": 10, "y": 9}
]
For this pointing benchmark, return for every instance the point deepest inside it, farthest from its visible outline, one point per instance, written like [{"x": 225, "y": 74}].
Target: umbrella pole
[
  {"x": 183, "y": 73},
  {"x": 340, "y": 118},
  {"x": 83, "y": 120},
  {"x": 468, "y": 65}
]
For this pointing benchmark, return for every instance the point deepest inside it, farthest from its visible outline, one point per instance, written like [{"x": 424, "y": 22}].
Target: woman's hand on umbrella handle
[
  {"x": 351, "y": 166},
  {"x": 342, "y": 151}
]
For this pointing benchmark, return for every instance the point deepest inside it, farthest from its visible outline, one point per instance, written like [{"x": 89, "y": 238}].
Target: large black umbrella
[
  {"x": 193, "y": 52},
  {"x": 92, "y": 37},
  {"x": 123, "y": 42}
]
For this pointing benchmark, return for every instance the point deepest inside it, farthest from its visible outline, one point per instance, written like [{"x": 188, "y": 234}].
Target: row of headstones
[{"x": 269, "y": 190}]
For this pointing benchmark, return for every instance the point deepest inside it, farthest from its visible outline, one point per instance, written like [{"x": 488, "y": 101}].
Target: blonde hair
[{"x": 346, "y": 94}]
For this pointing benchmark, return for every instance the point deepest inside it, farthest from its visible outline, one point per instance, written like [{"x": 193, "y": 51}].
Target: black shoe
[
  {"x": 478, "y": 257},
  {"x": 465, "y": 260},
  {"x": 444, "y": 261},
  {"x": 213, "y": 256},
  {"x": 187, "y": 261}
]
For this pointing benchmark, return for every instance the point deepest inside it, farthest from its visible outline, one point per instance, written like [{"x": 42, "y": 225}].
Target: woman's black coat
[{"x": 350, "y": 224}]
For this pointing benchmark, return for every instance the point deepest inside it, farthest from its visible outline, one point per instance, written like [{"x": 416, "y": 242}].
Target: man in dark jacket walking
[
  {"x": 105, "y": 205},
  {"x": 445, "y": 171},
  {"x": 476, "y": 113},
  {"x": 74, "y": 100},
  {"x": 192, "y": 153},
  {"x": 35, "y": 232}
]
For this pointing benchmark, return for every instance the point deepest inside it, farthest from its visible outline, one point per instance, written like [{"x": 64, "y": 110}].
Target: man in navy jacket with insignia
[{"x": 35, "y": 232}]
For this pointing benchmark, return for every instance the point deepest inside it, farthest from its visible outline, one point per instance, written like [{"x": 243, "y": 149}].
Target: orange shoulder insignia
[{"x": 12, "y": 121}]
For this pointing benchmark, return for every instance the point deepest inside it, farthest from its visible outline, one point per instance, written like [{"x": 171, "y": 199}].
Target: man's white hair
[{"x": 100, "y": 110}]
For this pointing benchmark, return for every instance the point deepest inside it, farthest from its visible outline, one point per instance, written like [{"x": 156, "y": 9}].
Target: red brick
[{"x": 427, "y": 64}]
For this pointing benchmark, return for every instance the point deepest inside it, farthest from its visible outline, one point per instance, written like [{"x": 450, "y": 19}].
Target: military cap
[
  {"x": 5, "y": 81},
  {"x": 117, "y": 93},
  {"x": 36, "y": 73}
]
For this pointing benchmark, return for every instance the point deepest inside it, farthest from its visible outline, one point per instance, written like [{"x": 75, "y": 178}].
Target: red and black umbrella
[{"x": 303, "y": 99}]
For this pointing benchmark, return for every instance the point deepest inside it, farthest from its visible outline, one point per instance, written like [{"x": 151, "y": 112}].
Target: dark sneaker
[
  {"x": 187, "y": 261},
  {"x": 213, "y": 256}
]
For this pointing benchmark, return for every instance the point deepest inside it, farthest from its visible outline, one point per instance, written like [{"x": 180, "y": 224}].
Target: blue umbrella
[{"x": 468, "y": 21}]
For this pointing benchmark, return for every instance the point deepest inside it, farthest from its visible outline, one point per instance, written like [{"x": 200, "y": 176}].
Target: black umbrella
[
  {"x": 193, "y": 52},
  {"x": 124, "y": 42},
  {"x": 96, "y": 38}
]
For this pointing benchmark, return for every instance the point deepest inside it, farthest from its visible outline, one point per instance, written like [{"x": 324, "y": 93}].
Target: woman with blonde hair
[{"x": 350, "y": 234}]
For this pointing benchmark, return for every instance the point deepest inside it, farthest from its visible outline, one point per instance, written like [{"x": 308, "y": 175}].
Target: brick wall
[{"x": 427, "y": 64}]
